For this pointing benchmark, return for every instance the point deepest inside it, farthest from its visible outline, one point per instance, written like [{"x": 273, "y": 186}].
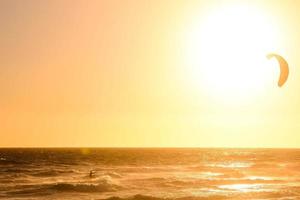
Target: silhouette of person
[{"x": 91, "y": 173}]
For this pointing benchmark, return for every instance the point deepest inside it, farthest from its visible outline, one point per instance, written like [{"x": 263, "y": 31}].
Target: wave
[
  {"x": 259, "y": 195},
  {"x": 113, "y": 174},
  {"x": 52, "y": 172},
  {"x": 145, "y": 197},
  {"x": 4, "y": 161},
  {"x": 15, "y": 170},
  {"x": 84, "y": 187}
]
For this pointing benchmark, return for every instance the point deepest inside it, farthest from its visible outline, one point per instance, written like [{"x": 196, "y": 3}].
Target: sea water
[{"x": 150, "y": 174}]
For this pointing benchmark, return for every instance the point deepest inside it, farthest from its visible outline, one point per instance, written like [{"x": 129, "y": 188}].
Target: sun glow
[{"x": 226, "y": 53}]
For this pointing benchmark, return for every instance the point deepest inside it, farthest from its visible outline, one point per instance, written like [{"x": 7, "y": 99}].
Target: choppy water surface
[{"x": 150, "y": 174}]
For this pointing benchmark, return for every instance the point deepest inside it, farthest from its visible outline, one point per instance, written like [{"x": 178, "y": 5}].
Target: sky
[{"x": 118, "y": 74}]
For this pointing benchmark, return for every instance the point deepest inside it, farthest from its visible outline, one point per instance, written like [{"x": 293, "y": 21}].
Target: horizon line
[{"x": 136, "y": 147}]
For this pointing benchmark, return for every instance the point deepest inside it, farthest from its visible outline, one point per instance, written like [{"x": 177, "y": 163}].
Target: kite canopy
[{"x": 284, "y": 68}]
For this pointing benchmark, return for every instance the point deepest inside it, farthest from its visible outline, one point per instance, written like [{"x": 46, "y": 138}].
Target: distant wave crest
[
  {"x": 85, "y": 187},
  {"x": 102, "y": 186},
  {"x": 145, "y": 197}
]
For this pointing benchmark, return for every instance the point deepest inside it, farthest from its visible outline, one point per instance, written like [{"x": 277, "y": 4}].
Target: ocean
[{"x": 149, "y": 174}]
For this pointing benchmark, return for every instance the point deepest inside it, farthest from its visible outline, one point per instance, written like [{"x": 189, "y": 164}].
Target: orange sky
[{"x": 112, "y": 73}]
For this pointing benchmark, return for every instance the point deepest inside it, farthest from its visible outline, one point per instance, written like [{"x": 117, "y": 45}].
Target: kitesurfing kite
[{"x": 284, "y": 68}]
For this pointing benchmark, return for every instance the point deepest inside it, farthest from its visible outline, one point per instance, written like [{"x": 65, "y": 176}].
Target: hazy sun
[{"x": 226, "y": 52}]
